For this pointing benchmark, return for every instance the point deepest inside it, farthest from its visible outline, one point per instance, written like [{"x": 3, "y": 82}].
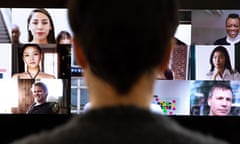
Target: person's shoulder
[
  {"x": 18, "y": 75},
  {"x": 66, "y": 133},
  {"x": 181, "y": 134},
  {"x": 15, "y": 76},
  {"x": 221, "y": 41},
  {"x": 236, "y": 75},
  {"x": 46, "y": 76},
  {"x": 208, "y": 75}
]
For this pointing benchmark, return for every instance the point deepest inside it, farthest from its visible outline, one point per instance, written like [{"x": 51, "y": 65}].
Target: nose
[
  {"x": 31, "y": 57},
  {"x": 39, "y": 25},
  {"x": 217, "y": 59},
  {"x": 224, "y": 103}
]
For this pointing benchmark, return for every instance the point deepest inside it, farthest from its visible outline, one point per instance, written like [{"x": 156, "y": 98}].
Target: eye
[
  {"x": 35, "y": 22},
  {"x": 228, "y": 99},
  {"x": 219, "y": 98},
  {"x": 44, "y": 23},
  {"x": 36, "y": 54},
  {"x": 236, "y": 26}
]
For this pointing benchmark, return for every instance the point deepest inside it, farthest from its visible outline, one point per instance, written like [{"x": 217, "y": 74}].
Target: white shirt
[
  {"x": 233, "y": 41},
  {"x": 227, "y": 75}
]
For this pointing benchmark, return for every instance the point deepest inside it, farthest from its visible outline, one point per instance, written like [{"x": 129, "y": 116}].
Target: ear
[
  {"x": 209, "y": 101},
  {"x": 79, "y": 54},
  {"x": 164, "y": 65}
]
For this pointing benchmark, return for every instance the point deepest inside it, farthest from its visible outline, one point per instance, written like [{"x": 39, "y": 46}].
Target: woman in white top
[{"x": 221, "y": 68}]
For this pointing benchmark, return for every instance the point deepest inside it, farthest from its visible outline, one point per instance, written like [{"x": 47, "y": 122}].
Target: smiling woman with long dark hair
[{"x": 40, "y": 27}]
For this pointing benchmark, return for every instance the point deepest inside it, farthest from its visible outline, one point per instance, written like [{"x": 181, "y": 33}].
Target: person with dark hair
[
  {"x": 167, "y": 74},
  {"x": 220, "y": 100},
  {"x": 232, "y": 26},
  {"x": 40, "y": 105},
  {"x": 64, "y": 37},
  {"x": 122, "y": 45},
  {"x": 32, "y": 57},
  {"x": 221, "y": 68},
  {"x": 40, "y": 27}
]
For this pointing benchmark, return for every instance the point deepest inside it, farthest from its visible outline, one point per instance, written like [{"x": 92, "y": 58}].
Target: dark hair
[
  {"x": 31, "y": 45},
  {"x": 63, "y": 34},
  {"x": 51, "y": 35},
  {"x": 233, "y": 16},
  {"x": 42, "y": 85},
  {"x": 168, "y": 74},
  {"x": 123, "y": 39},
  {"x": 223, "y": 50},
  {"x": 220, "y": 85}
]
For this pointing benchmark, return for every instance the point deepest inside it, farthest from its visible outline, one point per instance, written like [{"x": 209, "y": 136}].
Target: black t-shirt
[
  {"x": 223, "y": 41},
  {"x": 45, "y": 108}
]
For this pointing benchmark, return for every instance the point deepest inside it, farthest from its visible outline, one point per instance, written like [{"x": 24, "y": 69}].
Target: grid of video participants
[
  {"x": 215, "y": 42},
  {"x": 36, "y": 47},
  {"x": 35, "y": 67},
  {"x": 203, "y": 71},
  {"x": 185, "y": 98}
]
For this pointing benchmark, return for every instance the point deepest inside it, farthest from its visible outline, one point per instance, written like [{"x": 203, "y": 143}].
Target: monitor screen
[{"x": 199, "y": 26}]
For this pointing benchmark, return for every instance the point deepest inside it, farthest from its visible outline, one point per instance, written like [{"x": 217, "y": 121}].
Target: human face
[
  {"x": 32, "y": 57},
  {"x": 220, "y": 103},
  {"x": 39, "y": 26},
  {"x": 39, "y": 94},
  {"x": 219, "y": 60},
  {"x": 15, "y": 35},
  {"x": 232, "y": 27},
  {"x": 65, "y": 40}
]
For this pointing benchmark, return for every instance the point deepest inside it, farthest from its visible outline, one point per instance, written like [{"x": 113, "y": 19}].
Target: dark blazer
[{"x": 223, "y": 41}]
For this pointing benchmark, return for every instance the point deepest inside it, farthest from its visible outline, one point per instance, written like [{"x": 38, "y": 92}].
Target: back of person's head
[
  {"x": 168, "y": 74},
  {"x": 123, "y": 39},
  {"x": 224, "y": 51},
  {"x": 233, "y": 16}
]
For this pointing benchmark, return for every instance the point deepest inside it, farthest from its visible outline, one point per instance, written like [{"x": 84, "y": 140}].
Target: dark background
[{"x": 16, "y": 126}]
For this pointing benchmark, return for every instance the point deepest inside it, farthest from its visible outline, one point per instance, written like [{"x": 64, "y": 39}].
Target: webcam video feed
[
  {"x": 35, "y": 67},
  {"x": 215, "y": 45}
]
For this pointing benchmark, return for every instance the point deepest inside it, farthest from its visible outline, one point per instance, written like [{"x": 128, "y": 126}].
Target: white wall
[
  {"x": 178, "y": 90},
  {"x": 6, "y": 60}
]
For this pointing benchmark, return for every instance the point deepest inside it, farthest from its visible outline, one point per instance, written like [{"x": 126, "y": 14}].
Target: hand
[{"x": 216, "y": 74}]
